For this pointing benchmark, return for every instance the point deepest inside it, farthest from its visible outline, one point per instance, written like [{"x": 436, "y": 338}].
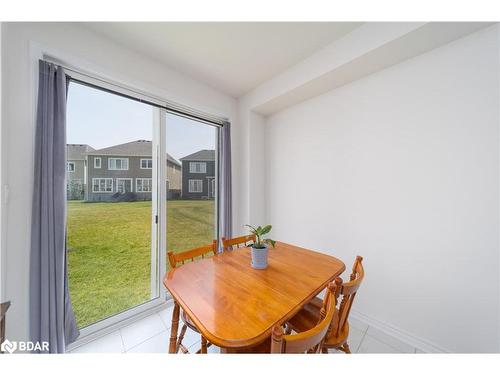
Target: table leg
[{"x": 174, "y": 328}]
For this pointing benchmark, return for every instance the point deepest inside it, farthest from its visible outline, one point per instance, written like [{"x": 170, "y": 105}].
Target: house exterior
[
  {"x": 198, "y": 175},
  {"x": 76, "y": 171},
  {"x": 127, "y": 169}
]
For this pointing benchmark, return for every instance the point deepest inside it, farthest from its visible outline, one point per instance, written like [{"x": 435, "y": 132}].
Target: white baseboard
[{"x": 417, "y": 342}]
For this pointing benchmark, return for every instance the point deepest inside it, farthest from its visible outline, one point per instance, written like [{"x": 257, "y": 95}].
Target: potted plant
[{"x": 259, "y": 249}]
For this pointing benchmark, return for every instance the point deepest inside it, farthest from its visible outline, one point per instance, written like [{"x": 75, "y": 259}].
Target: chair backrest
[
  {"x": 234, "y": 243},
  {"x": 309, "y": 341},
  {"x": 348, "y": 292},
  {"x": 175, "y": 258}
]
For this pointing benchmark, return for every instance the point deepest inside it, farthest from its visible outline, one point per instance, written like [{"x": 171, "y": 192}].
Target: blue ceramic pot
[{"x": 259, "y": 257}]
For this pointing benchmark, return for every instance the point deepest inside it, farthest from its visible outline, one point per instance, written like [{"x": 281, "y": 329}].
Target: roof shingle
[
  {"x": 205, "y": 155},
  {"x": 135, "y": 148},
  {"x": 77, "y": 152}
]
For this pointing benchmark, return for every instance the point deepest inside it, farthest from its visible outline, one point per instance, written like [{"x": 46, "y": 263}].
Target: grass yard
[{"x": 110, "y": 251}]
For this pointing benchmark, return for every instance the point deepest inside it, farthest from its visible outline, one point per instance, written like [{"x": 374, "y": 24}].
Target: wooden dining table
[{"x": 235, "y": 306}]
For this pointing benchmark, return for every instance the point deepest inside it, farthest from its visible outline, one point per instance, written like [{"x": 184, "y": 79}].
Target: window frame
[
  {"x": 68, "y": 163},
  {"x": 96, "y": 158},
  {"x": 142, "y": 185},
  {"x": 115, "y": 159},
  {"x": 125, "y": 179},
  {"x": 147, "y": 160},
  {"x": 195, "y": 180},
  {"x": 106, "y": 179},
  {"x": 200, "y": 163}
]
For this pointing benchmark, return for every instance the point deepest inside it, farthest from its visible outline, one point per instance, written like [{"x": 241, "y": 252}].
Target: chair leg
[
  {"x": 181, "y": 337},
  {"x": 209, "y": 344},
  {"x": 203, "y": 345},
  {"x": 173, "y": 331},
  {"x": 346, "y": 349}
]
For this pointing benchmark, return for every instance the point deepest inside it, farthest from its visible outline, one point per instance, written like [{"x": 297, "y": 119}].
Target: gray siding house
[
  {"x": 127, "y": 169},
  {"x": 76, "y": 170},
  {"x": 198, "y": 175}
]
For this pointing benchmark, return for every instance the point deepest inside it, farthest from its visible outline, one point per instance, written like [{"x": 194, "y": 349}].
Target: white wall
[
  {"x": 249, "y": 165},
  {"x": 372, "y": 47},
  {"x": 18, "y": 137},
  {"x": 402, "y": 167}
]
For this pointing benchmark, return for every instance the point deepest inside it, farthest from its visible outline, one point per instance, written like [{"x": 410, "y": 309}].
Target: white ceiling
[{"x": 232, "y": 57}]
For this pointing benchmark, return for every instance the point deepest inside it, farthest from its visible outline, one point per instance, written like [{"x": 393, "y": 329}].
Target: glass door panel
[
  {"x": 111, "y": 204},
  {"x": 192, "y": 170},
  {"x": 123, "y": 185}
]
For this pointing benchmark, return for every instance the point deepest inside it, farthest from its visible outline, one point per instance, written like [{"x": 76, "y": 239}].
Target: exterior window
[
  {"x": 146, "y": 164},
  {"x": 123, "y": 185},
  {"x": 70, "y": 166},
  {"x": 102, "y": 185},
  {"x": 143, "y": 185},
  {"x": 118, "y": 164},
  {"x": 195, "y": 186},
  {"x": 97, "y": 163},
  {"x": 197, "y": 167}
]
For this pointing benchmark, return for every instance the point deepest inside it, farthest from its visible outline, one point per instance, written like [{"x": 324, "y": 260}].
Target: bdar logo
[{"x": 8, "y": 346}]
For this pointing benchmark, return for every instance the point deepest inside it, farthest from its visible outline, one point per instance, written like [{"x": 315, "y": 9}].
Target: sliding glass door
[
  {"x": 192, "y": 170},
  {"x": 112, "y": 205},
  {"x": 141, "y": 181}
]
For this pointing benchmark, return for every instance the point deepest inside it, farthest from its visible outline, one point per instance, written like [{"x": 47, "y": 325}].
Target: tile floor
[{"x": 151, "y": 335}]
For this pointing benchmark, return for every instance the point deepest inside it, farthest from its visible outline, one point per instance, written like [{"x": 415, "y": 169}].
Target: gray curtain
[
  {"x": 51, "y": 315},
  {"x": 225, "y": 195}
]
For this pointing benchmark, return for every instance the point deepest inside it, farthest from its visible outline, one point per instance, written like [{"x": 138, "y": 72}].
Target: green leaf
[
  {"x": 270, "y": 241},
  {"x": 252, "y": 229},
  {"x": 266, "y": 229}
]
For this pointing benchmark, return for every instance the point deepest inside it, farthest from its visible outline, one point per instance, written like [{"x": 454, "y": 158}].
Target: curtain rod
[{"x": 169, "y": 107}]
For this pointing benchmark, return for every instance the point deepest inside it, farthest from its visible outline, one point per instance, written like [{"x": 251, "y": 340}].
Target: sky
[{"x": 101, "y": 119}]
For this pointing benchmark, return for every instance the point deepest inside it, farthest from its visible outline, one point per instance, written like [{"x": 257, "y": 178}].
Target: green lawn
[{"x": 110, "y": 252}]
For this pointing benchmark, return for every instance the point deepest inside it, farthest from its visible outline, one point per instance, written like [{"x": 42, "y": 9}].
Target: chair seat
[
  {"x": 187, "y": 321},
  {"x": 308, "y": 317}
]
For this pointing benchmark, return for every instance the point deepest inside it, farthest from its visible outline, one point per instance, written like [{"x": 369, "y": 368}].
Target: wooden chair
[
  {"x": 309, "y": 341},
  {"x": 310, "y": 314},
  {"x": 177, "y": 260},
  {"x": 237, "y": 242}
]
